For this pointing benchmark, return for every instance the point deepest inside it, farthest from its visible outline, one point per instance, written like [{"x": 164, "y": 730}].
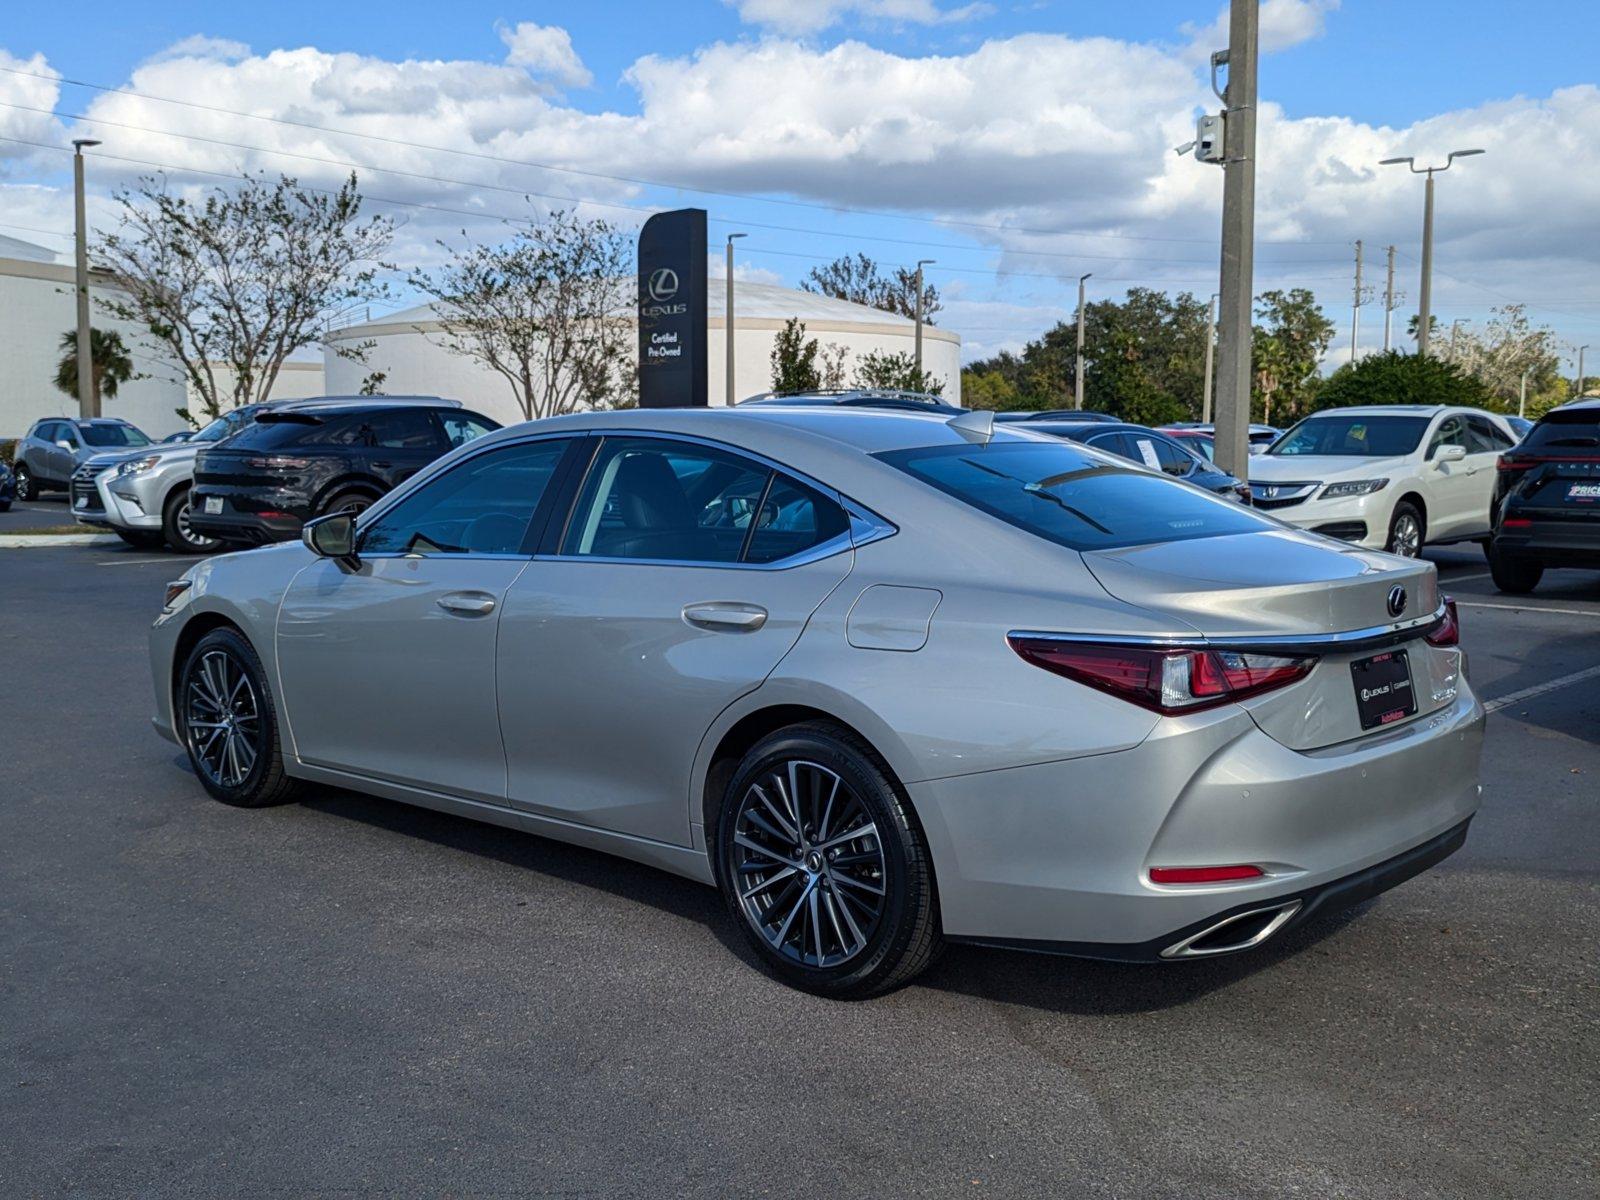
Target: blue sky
[{"x": 1361, "y": 79}]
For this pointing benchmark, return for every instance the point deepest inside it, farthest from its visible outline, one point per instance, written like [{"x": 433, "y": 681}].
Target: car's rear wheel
[
  {"x": 348, "y": 501},
  {"x": 1517, "y": 576},
  {"x": 1405, "y": 531},
  {"x": 177, "y": 530},
  {"x": 27, "y": 488},
  {"x": 227, "y": 720},
  {"x": 824, "y": 867}
]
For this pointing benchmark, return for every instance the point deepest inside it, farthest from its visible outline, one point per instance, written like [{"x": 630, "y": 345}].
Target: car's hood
[
  {"x": 1274, "y": 582},
  {"x": 1303, "y": 468}
]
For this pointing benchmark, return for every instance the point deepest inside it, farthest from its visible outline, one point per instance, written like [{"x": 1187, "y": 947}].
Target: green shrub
[{"x": 1395, "y": 378}]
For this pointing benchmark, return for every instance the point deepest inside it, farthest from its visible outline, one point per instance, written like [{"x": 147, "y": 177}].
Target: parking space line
[
  {"x": 129, "y": 562},
  {"x": 1533, "y": 608},
  {"x": 1464, "y": 578},
  {"x": 1539, "y": 689}
]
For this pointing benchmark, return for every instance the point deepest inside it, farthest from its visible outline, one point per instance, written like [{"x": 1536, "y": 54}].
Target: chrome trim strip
[
  {"x": 1374, "y": 638},
  {"x": 1184, "y": 948}
]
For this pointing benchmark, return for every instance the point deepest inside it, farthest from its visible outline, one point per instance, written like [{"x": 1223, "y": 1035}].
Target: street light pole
[
  {"x": 1238, "y": 241},
  {"x": 1579, "y": 394},
  {"x": 727, "y": 321},
  {"x": 1077, "y": 368},
  {"x": 921, "y": 262},
  {"x": 1522, "y": 399},
  {"x": 1425, "y": 292},
  {"x": 1211, "y": 340},
  {"x": 88, "y": 402}
]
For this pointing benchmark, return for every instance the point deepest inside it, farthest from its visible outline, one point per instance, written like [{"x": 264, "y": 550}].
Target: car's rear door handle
[
  {"x": 726, "y": 615},
  {"x": 467, "y": 604}
]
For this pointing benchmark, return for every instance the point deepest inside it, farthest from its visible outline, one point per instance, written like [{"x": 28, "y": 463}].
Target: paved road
[
  {"x": 356, "y": 998},
  {"x": 49, "y": 512}
]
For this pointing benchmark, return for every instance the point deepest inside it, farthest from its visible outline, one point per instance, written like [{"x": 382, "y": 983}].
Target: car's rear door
[
  {"x": 685, "y": 572},
  {"x": 388, "y": 663},
  {"x": 399, "y": 442}
]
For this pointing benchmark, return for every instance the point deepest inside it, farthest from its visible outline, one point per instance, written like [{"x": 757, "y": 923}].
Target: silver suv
[
  {"x": 53, "y": 449},
  {"x": 143, "y": 495}
]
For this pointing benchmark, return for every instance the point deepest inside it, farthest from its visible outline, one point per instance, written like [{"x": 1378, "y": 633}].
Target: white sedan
[{"x": 1394, "y": 477}]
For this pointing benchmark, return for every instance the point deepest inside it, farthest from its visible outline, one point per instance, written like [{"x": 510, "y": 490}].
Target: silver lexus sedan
[{"x": 887, "y": 680}]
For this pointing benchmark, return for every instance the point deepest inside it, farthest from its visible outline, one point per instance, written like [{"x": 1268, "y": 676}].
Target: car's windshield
[
  {"x": 1353, "y": 435},
  {"x": 1072, "y": 496},
  {"x": 223, "y": 427},
  {"x": 112, "y": 435}
]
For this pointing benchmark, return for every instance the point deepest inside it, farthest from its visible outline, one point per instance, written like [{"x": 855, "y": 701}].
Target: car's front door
[
  {"x": 1453, "y": 491},
  {"x": 388, "y": 663},
  {"x": 62, "y": 453},
  {"x": 684, "y": 574}
]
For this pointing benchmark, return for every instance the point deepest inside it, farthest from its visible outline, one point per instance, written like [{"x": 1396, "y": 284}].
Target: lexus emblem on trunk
[{"x": 1397, "y": 600}]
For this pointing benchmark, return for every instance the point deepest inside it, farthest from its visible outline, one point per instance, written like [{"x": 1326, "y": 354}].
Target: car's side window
[
  {"x": 1484, "y": 436},
  {"x": 1114, "y": 443},
  {"x": 793, "y": 518},
  {"x": 1452, "y": 431},
  {"x": 401, "y": 429},
  {"x": 461, "y": 428},
  {"x": 1173, "y": 460},
  {"x": 481, "y": 506}
]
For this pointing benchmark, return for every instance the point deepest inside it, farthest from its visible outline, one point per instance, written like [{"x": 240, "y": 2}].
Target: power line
[{"x": 628, "y": 179}]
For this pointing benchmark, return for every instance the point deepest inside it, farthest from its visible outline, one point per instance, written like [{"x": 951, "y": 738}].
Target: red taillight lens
[
  {"x": 1511, "y": 464},
  {"x": 1449, "y": 633},
  {"x": 1204, "y": 874},
  {"x": 1164, "y": 679},
  {"x": 1516, "y": 523}
]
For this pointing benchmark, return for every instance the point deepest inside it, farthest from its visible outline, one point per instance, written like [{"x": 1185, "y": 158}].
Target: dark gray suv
[{"x": 46, "y": 457}]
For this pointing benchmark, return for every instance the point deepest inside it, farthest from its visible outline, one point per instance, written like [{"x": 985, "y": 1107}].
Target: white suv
[{"x": 1395, "y": 477}]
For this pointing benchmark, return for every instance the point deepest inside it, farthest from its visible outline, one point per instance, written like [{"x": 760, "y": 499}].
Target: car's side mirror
[
  {"x": 1450, "y": 453},
  {"x": 332, "y": 536},
  {"x": 65, "y": 445}
]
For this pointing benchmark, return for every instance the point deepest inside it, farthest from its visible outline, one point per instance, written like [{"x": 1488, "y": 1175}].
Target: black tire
[
  {"x": 1408, "y": 532},
  {"x": 139, "y": 539},
  {"x": 349, "y": 500},
  {"x": 223, "y": 772},
  {"x": 831, "y": 897},
  {"x": 1517, "y": 576},
  {"x": 27, "y": 487},
  {"x": 175, "y": 530}
]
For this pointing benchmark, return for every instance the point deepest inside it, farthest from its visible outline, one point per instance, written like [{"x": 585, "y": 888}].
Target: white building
[
  {"x": 37, "y": 306},
  {"x": 407, "y": 347}
]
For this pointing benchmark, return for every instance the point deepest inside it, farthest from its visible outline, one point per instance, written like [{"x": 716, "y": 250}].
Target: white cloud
[
  {"x": 545, "y": 51},
  {"x": 199, "y": 45},
  {"x": 1284, "y": 23},
  {"x": 18, "y": 123},
  {"x": 798, "y": 17}
]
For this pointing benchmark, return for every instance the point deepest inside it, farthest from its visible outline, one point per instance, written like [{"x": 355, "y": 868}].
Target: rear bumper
[
  {"x": 1057, "y": 856},
  {"x": 252, "y": 519},
  {"x": 1565, "y": 543}
]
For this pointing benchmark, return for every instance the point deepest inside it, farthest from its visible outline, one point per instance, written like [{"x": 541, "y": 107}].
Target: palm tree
[{"x": 112, "y": 364}]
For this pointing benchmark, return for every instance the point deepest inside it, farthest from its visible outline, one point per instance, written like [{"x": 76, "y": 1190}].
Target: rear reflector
[
  {"x": 1204, "y": 874},
  {"x": 1164, "y": 679},
  {"x": 1449, "y": 632},
  {"x": 1516, "y": 523}
]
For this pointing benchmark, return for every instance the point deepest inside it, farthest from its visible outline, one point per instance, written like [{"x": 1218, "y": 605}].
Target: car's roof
[
  {"x": 1584, "y": 405},
  {"x": 1387, "y": 410}
]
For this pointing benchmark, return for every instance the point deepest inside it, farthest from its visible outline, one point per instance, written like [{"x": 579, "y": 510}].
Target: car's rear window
[
  {"x": 1073, "y": 497},
  {"x": 1577, "y": 430},
  {"x": 1353, "y": 435},
  {"x": 112, "y": 435}
]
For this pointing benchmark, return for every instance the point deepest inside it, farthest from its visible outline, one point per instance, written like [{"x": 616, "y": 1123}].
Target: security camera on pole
[{"x": 1230, "y": 139}]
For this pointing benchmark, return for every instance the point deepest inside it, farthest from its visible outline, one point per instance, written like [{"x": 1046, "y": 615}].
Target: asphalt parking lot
[{"x": 352, "y": 997}]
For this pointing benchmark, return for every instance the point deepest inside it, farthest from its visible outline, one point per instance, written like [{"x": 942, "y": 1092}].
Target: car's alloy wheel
[
  {"x": 823, "y": 865},
  {"x": 180, "y": 532},
  {"x": 808, "y": 864},
  {"x": 26, "y": 488},
  {"x": 1405, "y": 532},
  {"x": 227, "y": 722}
]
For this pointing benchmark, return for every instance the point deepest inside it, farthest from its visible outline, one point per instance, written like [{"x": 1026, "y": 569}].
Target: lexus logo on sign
[
  {"x": 1397, "y": 600},
  {"x": 663, "y": 285}
]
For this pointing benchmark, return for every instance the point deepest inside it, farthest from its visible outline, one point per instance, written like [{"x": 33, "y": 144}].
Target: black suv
[
  {"x": 265, "y": 482},
  {"x": 1547, "y": 499}
]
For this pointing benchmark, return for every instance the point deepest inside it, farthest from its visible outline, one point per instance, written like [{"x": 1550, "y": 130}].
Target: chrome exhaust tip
[{"x": 1242, "y": 931}]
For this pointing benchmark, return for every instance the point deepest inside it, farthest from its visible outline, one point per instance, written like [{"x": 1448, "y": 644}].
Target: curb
[{"x": 18, "y": 541}]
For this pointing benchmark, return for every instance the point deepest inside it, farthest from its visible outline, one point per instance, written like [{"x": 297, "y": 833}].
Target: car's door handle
[
  {"x": 726, "y": 615},
  {"x": 468, "y": 604},
  {"x": 381, "y": 464}
]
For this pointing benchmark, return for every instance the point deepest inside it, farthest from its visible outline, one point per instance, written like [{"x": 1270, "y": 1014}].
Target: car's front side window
[
  {"x": 1452, "y": 431},
  {"x": 658, "y": 499},
  {"x": 481, "y": 506},
  {"x": 463, "y": 427}
]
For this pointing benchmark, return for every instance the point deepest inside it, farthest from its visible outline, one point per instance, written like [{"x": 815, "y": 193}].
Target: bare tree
[
  {"x": 1508, "y": 346},
  {"x": 232, "y": 284},
  {"x": 546, "y": 310},
  {"x": 857, "y": 278}
]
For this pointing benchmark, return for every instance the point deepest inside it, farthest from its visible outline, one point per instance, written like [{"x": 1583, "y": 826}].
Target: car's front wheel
[
  {"x": 177, "y": 530},
  {"x": 228, "y": 722},
  {"x": 1405, "y": 531},
  {"x": 824, "y": 867},
  {"x": 27, "y": 488}
]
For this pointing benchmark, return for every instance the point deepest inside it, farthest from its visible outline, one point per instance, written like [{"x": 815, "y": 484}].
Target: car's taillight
[
  {"x": 1164, "y": 679},
  {"x": 1511, "y": 464},
  {"x": 1448, "y": 632}
]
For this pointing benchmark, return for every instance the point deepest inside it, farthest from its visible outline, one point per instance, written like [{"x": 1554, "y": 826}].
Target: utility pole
[
  {"x": 1211, "y": 341},
  {"x": 1077, "y": 369},
  {"x": 1455, "y": 330},
  {"x": 88, "y": 402},
  {"x": 921, "y": 262},
  {"x": 1355, "y": 310},
  {"x": 727, "y": 321},
  {"x": 1522, "y": 400},
  {"x": 1578, "y": 395},
  {"x": 1425, "y": 295},
  {"x": 1389, "y": 302},
  {"x": 1232, "y": 440}
]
